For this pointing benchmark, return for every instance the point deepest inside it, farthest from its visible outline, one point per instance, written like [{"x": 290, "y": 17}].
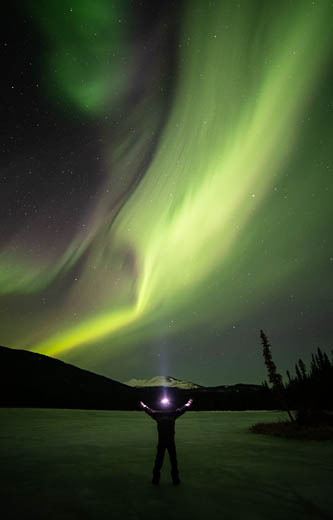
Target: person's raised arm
[
  {"x": 146, "y": 409},
  {"x": 184, "y": 408}
]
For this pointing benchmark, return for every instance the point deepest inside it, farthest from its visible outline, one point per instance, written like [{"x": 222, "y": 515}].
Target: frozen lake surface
[{"x": 84, "y": 464}]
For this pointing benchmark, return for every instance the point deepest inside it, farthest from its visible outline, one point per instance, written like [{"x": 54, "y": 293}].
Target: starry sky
[{"x": 166, "y": 184}]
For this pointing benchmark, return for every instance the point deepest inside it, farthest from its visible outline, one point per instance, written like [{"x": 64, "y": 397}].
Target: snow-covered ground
[{"x": 76, "y": 464}]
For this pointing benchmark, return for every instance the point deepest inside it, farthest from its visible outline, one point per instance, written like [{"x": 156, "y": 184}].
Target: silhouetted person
[{"x": 166, "y": 437}]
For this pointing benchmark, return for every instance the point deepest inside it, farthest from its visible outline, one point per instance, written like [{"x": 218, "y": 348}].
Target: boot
[{"x": 175, "y": 479}]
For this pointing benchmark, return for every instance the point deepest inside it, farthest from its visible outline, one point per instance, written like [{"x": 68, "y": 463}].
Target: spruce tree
[{"x": 274, "y": 377}]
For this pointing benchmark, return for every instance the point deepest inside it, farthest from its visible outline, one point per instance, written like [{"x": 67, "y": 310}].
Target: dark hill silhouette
[{"x": 30, "y": 379}]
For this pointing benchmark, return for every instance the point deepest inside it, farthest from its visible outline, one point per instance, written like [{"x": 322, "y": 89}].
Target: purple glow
[{"x": 165, "y": 401}]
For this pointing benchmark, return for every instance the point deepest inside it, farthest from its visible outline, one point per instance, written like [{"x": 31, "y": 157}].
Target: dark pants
[{"x": 168, "y": 444}]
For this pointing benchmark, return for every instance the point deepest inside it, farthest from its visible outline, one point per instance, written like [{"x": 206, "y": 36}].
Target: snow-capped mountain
[{"x": 162, "y": 381}]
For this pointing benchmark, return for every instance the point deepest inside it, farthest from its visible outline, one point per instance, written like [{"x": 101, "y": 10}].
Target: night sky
[{"x": 166, "y": 184}]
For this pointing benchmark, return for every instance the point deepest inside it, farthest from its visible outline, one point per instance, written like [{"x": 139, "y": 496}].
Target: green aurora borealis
[{"x": 229, "y": 220}]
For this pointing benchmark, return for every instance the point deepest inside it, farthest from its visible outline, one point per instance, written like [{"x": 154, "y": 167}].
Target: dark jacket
[{"x": 166, "y": 421}]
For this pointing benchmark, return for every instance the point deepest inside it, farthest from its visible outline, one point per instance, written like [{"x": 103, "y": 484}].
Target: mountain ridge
[
  {"x": 166, "y": 381},
  {"x": 29, "y": 379}
]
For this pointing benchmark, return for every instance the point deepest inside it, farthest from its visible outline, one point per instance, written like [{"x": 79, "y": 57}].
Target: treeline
[
  {"x": 308, "y": 394},
  {"x": 312, "y": 388}
]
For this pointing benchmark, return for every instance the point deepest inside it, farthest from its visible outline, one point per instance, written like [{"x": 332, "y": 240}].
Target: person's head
[{"x": 165, "y": 403}]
